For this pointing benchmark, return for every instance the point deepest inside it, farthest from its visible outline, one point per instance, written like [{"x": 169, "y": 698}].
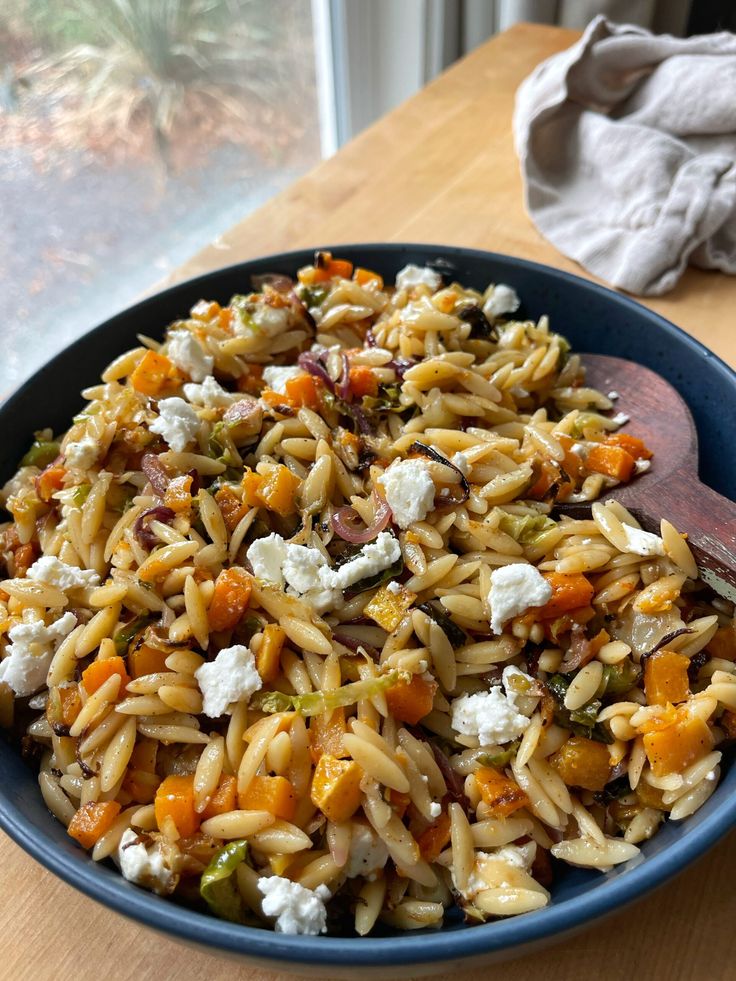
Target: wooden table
[{"x": 440, "y": 169}]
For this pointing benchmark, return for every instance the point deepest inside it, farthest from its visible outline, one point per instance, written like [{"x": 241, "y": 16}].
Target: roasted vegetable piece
[
  {"x": 723, "y": 643},
  {"x": 232, "y": 507},
  {"x": 435, "y": 838},
  {"x": 502, "y": 794},
  {"x": 92, "y": 821},
  {"x": 155, "y": 375},
  {"x": 224, "y": 798},
  {"x": 178, "y": 495},
  {"x": 230, "y": 598},
  {"x": 365, "y": 276},
  {"x": 49, "y": 482},
  {"x": 363, "y": 381},
  {"x": 217, "y": 887},
  {"x": 273, "y": 794},
  {"x": 64, "y": 705},
  {"x": 583, "y": 763},
  {"x": 388, "y": 606},
  {"x": 651, "y": 796},
  {"x": 146, "y": 660},
  {"x": 673, "y": 748},
  {"x": 99, "y": 671},
  {"x": 568, "y": 593},
  {"x": 303, "y": 391},
  {"x": 278, "y": 490},
  {"x": 268, "y": 656},
  {"x": 175, "y": 800},
  {"x": 336, "y": 787},
  {"x": 326, "y": 732},
  {"x": 632, "y": 444},
  {"x": 41, "y": 454},
  {"x": 410, "y": 701},
  {"x": 613, "y": 461},
  {"x": 665, "y": 677}
]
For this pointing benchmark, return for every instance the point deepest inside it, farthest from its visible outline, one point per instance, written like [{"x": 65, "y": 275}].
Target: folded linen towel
[{"x": 627, "y": 143}]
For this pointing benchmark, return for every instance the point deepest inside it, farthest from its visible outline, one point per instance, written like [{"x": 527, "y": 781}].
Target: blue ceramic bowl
[{"x": 595, "y": 320}]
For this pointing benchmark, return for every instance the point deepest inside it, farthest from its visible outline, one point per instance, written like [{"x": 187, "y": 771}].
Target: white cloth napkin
[{"x": 627, "y": 143}]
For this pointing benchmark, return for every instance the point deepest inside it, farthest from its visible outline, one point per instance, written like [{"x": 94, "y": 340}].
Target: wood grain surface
[
  {"x": 660, "y": 416},
  {"x": 439, "y": 169}
]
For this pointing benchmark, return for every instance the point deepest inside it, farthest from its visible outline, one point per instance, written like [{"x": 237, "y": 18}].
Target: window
[{"x": 132, "y": 133}]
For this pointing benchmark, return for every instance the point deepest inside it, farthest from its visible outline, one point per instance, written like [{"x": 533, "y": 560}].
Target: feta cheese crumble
[
  {"x": 491, "y": 716},
  {"x": 412, "y": 275},
  {"x": 435, "y": 809},
  {"x": 306, "y": 572},
  {"x": 187, "y": 353},
  {"x": 367, "y": 853},
  {"x": 372, "y": 559},
  {"x": 298, "y": 567},
  {"x": 276, "y": 376},
  {"x": 641, "y": 466},
  {"x": 210, "y": 394},
  {"x": 297, "y": 909},
  {"x": 53, "y": 571},
  {"x": 145, "y": 866},
  {"x": 462, "y": 463},
  {"x": 620, "y": 419},
  {"x": 642, "y": 542},
  {"x": 266, "y": 556},
  {"x": 231, "y": 677},
  {"x": 409, "y": 490},
  {"x": 28, "y": 656},
  {"x": 514, "y": 588},
  {"x": 82, "y": 454},
  {"x": 177, "y": 422},
  {"x": 613, "y": 396},
  {"x": 502, "y": 300}
]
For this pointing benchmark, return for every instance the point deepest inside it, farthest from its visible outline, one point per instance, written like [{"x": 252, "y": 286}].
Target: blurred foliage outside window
[{"x": 132, "y": 133}]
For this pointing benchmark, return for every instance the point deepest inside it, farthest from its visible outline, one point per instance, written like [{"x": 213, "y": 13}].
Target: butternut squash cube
[
  {"x": 387, "y": 607},
  {"x": 273, "y": 794},
  {"x": 673, "y": 749},
  {"x": 326, "y": 732},
  {"x": 410, "y": 701},
  {"x": 502, "y": 794},
  {"x": 336, "y": 787},
  {"x": 665, "y": 677},
  {"x": 583, "y": 763}
]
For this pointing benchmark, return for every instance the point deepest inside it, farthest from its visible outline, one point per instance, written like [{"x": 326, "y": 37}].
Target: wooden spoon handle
[{"x": 710, "y": 522}]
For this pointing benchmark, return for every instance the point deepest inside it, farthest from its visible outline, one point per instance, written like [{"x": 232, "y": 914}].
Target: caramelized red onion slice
[
  {"x": 423, "y": 450},
  {"x": 156, "y": 473},
  {"x": 311, "y": 362},
  {"x": 141, "y": 530},
  {"x": 342, "y": 523}
]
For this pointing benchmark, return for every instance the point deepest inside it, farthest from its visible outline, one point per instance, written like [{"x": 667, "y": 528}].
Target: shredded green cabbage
[
  {"x": 526, "y": 529},
  {"x": 217, "y": 887},
  {"x": 317, "y": 702}
]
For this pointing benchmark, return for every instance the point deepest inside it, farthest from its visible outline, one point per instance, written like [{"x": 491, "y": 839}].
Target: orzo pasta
[{"x": 296, "y": 630}]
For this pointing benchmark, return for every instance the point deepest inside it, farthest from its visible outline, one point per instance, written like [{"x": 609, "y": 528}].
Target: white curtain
[
  {"x": 479, "y": 19},
  {"x": 373, "y": 54}
]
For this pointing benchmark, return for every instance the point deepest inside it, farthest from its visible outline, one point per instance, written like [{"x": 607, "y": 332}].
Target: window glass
[{"x": 133, "y": 133}]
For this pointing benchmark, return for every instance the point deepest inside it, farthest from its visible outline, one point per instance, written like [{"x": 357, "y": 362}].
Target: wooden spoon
[{"x": 671, "y": 488}]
